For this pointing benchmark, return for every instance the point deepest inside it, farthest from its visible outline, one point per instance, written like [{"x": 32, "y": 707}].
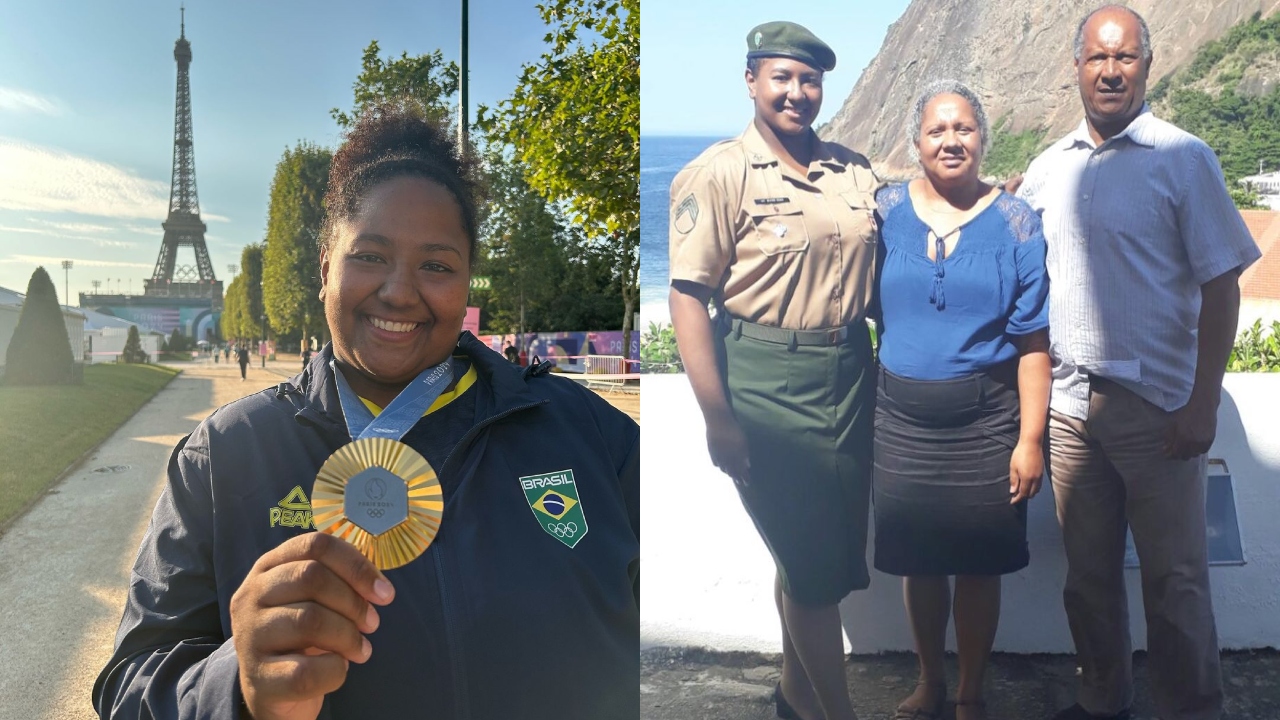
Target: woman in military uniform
[{"x": 776, "y": 230}]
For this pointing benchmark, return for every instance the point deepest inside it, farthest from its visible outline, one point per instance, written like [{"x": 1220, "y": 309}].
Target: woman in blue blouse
[{"x": 963, "y": 392}]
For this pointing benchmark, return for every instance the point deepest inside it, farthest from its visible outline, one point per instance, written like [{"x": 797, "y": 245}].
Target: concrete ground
[
  {"x": 64, "y": 566},
  {"x": 689, "y": 684}
]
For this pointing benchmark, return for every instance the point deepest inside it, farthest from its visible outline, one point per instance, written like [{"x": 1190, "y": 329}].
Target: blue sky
[
  {"x": 87, "y": 110},
  {"x": 693, "y": 56}
]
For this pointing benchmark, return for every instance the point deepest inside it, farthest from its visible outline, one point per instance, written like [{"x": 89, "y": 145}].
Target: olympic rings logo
[
  {"x": 376, "y": 512},
  {"x": 563, "y": 530}
]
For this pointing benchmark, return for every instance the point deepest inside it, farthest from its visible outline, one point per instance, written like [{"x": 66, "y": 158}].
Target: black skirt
[{"x": 941, "y": 475}]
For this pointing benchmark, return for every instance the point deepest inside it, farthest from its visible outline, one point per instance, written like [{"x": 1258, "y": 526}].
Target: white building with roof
[
  {"x": 105, "y": 336},
  {"x": 11, "y": 309},
  {"x": 1267, "y": 185}
]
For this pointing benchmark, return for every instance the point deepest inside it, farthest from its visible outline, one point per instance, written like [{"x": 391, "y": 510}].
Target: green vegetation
[
  {"x": 178, "y": 343},
  {"x": 1256, "y": 350},
  {"x": 573, "y": 122},
  {"x": 242, "y": 305},
  {"x": 658, "y": 350},
  {"x": 43, "y": 430},
  {"x": 291, "y": 258},
  {"x": 1206, "y": 99},
  {"x": 1010, "y": 153},
  {"x": 543, "y": 273},
  {"x": 559, "y": 229},
  {"x": 133, "y": 352},
  {"x": 40, "y": 352},
  {"x": 426, "y": 78}
]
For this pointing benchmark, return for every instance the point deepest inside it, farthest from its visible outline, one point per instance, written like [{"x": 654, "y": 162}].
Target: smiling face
[
  {"x": 1112, "y": 72},
  {"x": 950, "y": 142},
  {"x": 394, "y": 284},
  {"x": 787, "y": 94}
]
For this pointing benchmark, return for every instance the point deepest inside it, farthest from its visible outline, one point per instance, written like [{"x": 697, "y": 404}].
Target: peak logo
[{"x": 293, "y": 511}]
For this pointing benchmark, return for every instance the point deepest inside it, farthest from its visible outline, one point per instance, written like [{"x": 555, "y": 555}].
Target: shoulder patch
[
  {"x": 686, "y": 216},
  {"x": 556, "y": 505}
]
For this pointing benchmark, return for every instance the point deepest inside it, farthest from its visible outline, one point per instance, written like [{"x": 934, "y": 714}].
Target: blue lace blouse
[{"x": 959, "y": 316}]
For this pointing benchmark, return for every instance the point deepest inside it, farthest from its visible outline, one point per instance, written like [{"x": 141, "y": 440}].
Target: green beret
[{"x": 789, "y": 40}]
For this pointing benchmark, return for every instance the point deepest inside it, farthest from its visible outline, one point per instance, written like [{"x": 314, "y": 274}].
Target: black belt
[{"x": 782, "y": 336}]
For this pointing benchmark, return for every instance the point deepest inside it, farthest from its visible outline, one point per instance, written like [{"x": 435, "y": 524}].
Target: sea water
[{"x": 660, "y": 159}]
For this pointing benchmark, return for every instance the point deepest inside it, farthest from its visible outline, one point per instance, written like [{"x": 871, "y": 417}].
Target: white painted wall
[
  {"x": 109, "y": 342},
  {"x": 1253, "y": 309},
  {"x": 708, "y": 580},
  {"x": 73, "y": 321},
  {"x": 9, "y": 315}
]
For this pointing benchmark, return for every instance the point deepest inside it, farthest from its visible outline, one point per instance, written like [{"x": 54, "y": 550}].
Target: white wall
[
  {"x": 73, "y": 321},
  {"x": 109, "y": 342},
  {"x": 708, "y": 580},
  {"x": 8, "y": 323},
  {"x": 1252, "y": 309}
]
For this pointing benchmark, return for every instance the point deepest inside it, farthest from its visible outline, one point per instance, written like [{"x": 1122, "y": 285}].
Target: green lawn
[{"x": 44, "y": 429}]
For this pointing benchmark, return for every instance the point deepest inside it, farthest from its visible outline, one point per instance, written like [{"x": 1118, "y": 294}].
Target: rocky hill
[{"x": 1016, "y": 54}]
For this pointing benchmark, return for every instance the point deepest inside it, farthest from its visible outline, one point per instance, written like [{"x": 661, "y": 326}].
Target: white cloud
[
  {"x": 63, "y": 228},
  {"x": 75, "y": 227},
  {"x": 15, "y": 100},
  {"x": 51, "y": 180},
  {"x": 80, "y": 262}
]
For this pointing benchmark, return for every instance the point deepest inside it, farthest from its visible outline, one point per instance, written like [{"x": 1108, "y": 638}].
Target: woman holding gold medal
[{"x": 478, "y": 544}]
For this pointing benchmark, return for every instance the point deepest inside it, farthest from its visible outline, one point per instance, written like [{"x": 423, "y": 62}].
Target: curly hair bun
[{"x": 399, "y": 138}]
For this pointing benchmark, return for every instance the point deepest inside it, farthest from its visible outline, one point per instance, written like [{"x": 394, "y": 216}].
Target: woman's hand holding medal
[{"x": 299, "y": 619}]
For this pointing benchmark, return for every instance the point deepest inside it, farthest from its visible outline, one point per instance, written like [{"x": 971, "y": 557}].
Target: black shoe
[
  {"x": 1075, "y": 712},
  {"x": 784, "y": 709}
]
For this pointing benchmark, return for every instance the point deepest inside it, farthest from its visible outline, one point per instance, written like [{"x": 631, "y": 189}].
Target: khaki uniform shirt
[{"x": 778, "y": 249}]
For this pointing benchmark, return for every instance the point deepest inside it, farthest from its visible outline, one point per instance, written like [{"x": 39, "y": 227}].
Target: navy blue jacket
[{"x": 497, "y": 619}]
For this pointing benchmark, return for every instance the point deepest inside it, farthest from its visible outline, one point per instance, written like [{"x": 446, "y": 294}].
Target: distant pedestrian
[
  {"x": 242, "y": 357},
  {"x": 306, "y": 357},
  {"x": 513, "y": 355}
]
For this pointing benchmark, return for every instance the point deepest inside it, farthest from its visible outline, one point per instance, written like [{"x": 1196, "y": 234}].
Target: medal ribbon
[{"x": 397, "y": 418}]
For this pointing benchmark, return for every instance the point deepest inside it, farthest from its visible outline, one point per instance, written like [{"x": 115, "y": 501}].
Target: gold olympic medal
[{"x": 381, "y": 496}]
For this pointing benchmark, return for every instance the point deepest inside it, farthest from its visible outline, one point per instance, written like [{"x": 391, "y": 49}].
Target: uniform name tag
[{"x": 772, "y": 201}]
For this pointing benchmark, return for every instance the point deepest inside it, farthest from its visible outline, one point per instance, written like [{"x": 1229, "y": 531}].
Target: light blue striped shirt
[{"x": 1134, "y": 227}]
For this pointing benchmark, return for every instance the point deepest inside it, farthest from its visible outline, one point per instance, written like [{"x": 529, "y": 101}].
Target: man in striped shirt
[{"x": 1145, "y": 249}]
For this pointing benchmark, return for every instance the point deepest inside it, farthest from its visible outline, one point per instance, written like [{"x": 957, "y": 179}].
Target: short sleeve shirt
[
  {"x": 960, "y": 315},
  {"x": 777, "y": 249},
  {"x": 1134, "y": 227}
]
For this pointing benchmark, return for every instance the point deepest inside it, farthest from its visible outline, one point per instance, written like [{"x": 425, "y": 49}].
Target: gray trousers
[{"x": 1108, "y": 472}]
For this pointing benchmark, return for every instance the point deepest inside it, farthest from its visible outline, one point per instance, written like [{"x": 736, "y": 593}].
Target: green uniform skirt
[{"x": 807, "y": 412}]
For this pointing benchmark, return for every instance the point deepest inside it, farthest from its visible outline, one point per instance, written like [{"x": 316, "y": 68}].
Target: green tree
[
  {"x": 574, "y": 121},
  {"x": 291, "y": 258},
  {"x": 233, "y": 308},
  {"x": 178, "y": 342},
  {"x": 523, "y": 252},
  {"x": 1009, "y": 153},
  {"x": 248, "y": 322},
  {"x": 40, "y": 352},
  {"x": 1206, "y": 100},
  {"x": 425, "y": 77},
  {"x": 133, "y": 352}
]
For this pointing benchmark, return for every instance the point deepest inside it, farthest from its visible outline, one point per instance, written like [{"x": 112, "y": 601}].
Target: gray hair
[
  {"x": 933, "y": 90},
  {"x": 1144, "y": 35}
]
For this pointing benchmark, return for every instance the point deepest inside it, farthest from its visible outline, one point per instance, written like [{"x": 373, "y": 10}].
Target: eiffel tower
[{"x": 184, "y": 226}]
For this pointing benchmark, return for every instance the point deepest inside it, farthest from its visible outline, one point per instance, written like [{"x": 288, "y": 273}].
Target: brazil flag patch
[{"x": 553, "y": 497}]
